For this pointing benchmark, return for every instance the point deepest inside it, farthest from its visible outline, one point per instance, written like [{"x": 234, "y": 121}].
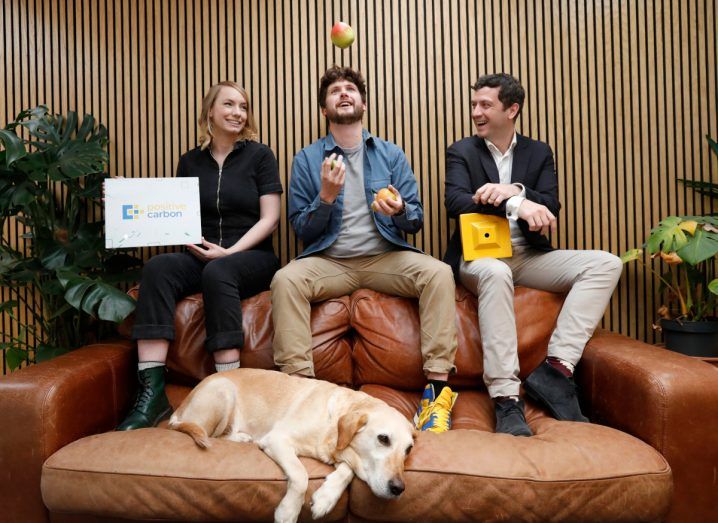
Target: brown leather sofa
[{"x": 651, "y": 453}]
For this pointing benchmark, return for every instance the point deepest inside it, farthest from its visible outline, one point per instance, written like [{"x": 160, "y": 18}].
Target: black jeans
[{"x": 166, "y": 278}]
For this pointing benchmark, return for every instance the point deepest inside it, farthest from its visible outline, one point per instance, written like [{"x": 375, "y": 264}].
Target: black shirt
[{"x": 229, "y": 197}]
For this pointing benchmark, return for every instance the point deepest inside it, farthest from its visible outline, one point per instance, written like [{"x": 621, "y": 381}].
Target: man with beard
[{"x": 349, "y": 245}]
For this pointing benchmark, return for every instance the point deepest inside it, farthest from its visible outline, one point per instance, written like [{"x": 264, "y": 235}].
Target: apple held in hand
[
  {"x": 342, "y": 35},
  {"x": 382, "y": 194}
]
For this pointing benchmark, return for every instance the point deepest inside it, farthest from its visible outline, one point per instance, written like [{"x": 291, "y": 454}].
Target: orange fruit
[{"x": 383, "y": 194}]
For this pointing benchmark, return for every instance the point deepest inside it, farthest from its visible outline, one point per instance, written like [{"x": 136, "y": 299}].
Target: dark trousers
[{"x": 166, "y": 278}]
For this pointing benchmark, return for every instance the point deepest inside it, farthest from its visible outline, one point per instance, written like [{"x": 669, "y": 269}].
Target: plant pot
[{"x": 692, "y": 338}]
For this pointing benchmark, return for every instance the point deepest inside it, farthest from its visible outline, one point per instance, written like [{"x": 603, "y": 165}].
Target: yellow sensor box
[{"x": 485, "y": 236}]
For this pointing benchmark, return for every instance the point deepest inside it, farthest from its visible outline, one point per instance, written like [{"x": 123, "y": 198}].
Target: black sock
[{"x": 438, "y": 386}]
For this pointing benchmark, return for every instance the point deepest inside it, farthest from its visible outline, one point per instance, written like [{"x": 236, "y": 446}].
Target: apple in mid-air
[{"x": 342, "y": 35}]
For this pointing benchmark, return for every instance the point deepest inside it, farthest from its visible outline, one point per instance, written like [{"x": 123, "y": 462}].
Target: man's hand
[
  {"x": 389, "y": 206},
  {"x": 211, "y": 251},
  {"x": 332, "y": 178},
  {"x": 537, "y": 216},
  {"x": 495, "y": 193}
]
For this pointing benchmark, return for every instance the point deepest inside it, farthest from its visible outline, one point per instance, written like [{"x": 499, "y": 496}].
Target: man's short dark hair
[
  {"x": 510, "y": 90},
  {"x": 336, "y": 73}
]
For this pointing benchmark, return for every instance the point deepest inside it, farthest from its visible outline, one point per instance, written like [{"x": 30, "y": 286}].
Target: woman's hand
[{"x": 208, "y": 252}]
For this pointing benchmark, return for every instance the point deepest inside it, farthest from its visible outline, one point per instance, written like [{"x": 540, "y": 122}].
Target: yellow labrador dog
[{"x": 289, "y": 417}]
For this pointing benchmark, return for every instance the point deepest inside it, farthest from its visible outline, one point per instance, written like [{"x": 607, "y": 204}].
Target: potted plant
[
  {"x": 51, "y": 173},
  {"x": 688, "y": 246}
]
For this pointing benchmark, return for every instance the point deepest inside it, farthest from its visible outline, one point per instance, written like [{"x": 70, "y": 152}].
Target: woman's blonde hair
[{"x": 249, "y": 132}]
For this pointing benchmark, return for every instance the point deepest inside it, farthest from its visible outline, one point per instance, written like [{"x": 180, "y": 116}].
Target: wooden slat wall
[{"x": 624, "y": 92}]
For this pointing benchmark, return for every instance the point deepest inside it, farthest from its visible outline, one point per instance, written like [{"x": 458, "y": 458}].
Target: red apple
[{"x": 342, "y": 35}]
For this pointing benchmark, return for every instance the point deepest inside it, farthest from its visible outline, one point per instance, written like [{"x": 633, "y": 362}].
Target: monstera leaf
[
  {"x": 95, "y": 297},
  {"x": 69, "y": 152},
  {"x": 14, "y": 147},
  {"x": 702, "y": 246},
  {"x": 669, "y": 235}
]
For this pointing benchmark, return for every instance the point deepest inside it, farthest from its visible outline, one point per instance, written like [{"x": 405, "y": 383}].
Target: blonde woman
[{"x": 239, "y": 197}]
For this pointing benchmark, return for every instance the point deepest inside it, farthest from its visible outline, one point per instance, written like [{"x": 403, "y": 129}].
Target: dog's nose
[{"x": 396, "y": 487}]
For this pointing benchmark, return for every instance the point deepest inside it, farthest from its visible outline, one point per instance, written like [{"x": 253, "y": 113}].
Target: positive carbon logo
[
  {"x": 131, "y": 212},
  {"x": 153, "y": 212}
]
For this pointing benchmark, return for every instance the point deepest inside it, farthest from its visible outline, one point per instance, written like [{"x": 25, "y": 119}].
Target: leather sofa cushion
[
  {"x": 188, "y": 362},
  {"x": 161, "y": 474},
  {"x": 592, "y": 472},
  {"x": 387, "y": 346}
]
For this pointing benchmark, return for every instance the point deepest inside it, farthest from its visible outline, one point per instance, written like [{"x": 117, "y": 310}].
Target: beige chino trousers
[
  {"x": 399, "y": 273},
  {"x": 589, "y": 278}
]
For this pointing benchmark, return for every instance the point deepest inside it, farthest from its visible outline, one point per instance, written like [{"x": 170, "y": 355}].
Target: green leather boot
[{"x": 151, "y": 405}]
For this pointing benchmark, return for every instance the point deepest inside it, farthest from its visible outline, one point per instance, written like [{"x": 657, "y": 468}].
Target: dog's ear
[{"x": 349, "y": 425}]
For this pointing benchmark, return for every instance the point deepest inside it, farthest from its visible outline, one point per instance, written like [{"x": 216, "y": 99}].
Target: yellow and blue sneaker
[
  {"x": 427, "y": 398},
  {"x": 434, "y": 413}
]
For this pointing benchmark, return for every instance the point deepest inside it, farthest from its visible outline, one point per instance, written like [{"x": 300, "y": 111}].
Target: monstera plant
[
  {"x": 687, "y": 246},
  {"x": 51, "y": 173}
]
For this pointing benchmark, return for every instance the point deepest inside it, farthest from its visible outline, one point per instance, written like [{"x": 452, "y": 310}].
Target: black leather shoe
[
  {"x": 151, "y": 405},
  {"x": 554, "y": 390},
  {"x": 510, "y": 418}
]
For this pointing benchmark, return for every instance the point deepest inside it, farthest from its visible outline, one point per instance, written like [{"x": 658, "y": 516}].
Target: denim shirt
[{"x": 318, "y": 223}]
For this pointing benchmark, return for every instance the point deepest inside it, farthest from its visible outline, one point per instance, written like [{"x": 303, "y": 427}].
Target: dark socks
[{"x": 438, "y": 386}]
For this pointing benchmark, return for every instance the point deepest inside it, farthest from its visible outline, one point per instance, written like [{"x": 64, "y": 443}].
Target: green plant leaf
[
  {"x": 70, "y": 124},
  {"x": 8, "y": 305},
  {"x": 44, "y": 127},
  {"x": 705, "y": 188},
  {"x": 702, "y": 246},
  {"x": 712, "y": 144},
  {"x": 116, "y": 306},
  {"x": 667, "y": 236},
  {"x": 45, "y": 352},
  {"x": 713, "y": 286},
  {"x": 632, "y": 255},
  {"x": 55, "y": 258},
  {"x": 96, "y": 298},
  {"x": 14, "y": 146},
  {"x": 78, "y": 159},
  {"x": 75, "y": 291},
  {"x": 14, "y": 357}
]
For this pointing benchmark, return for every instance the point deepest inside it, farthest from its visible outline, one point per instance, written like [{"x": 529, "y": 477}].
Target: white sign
[{"x": 145, "y": 212}]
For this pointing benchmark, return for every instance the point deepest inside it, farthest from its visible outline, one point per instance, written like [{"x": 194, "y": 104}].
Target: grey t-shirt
[{"x": 358, "y": 235}]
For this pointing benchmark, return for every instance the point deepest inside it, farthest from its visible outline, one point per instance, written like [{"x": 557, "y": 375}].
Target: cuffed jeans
[
  {"x": 589, "y": 277},
  {"x": 399, "y": 273},
  {"x": 166, "y": 278}
]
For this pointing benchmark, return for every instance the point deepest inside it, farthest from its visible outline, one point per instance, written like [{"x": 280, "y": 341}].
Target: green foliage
[
  {"x": 689, "y": 246},
  {"x": 705, "y": 188},
  {"x": 51, "y": 183}
]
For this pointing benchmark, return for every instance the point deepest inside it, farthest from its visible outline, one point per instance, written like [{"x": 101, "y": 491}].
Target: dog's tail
[{"x": 197, "y": 433}]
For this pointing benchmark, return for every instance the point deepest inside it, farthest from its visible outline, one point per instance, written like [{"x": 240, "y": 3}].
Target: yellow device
[{"x": 485, "y": 236}]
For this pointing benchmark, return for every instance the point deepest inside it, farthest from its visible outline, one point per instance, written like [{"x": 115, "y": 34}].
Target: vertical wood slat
[{"x": 624, "y": 93}]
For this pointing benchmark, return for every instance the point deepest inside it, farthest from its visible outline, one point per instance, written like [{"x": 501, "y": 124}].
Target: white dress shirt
[{"x": 504, "y": 163}]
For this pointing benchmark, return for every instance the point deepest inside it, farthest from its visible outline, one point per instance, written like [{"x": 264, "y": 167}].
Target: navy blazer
[{"x": 469, "y": 165}]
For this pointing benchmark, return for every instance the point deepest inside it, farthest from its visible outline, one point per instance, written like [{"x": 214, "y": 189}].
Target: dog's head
[{"x": 374, "y": 443}]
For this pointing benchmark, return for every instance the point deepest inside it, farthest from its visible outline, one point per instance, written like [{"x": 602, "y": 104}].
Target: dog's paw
[
  {"x": 240, "y": 437},
  {"x": 324, "y": 500},
  {"x": 287, "y": 512}
]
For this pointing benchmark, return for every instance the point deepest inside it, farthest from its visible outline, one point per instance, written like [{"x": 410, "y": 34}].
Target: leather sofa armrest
[
  {"x": 666, "y": 399},
  {"x": 47, "y": 406}
]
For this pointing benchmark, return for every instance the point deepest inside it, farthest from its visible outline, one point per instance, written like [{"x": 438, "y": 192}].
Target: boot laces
[{"x": 144, "y": 394}]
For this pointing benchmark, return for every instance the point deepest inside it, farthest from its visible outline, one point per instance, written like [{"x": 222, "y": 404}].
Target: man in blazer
[{"x": 500, "y": 172}]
